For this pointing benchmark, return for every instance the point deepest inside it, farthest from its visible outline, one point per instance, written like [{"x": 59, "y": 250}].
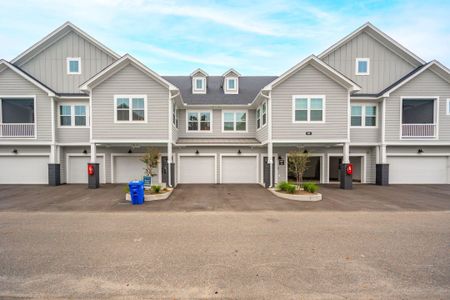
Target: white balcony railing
[
  {"x": 17, "y": 129},
  {"x": 418, "y": 130}
]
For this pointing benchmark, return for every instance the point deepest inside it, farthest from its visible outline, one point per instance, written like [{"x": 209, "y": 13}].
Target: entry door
[
  {"x": 165, "y": 171},
  {"x": 267, "y": 172}
]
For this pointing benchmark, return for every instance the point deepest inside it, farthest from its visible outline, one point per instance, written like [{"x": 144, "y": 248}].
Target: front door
[
  {"x": 267, "y": 172},
  {"x": 165, "y": 171}
]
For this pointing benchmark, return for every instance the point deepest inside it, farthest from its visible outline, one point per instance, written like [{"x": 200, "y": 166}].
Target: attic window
[
  {"x": 231, "y": 85},
  {"x": 199, "y": 85},
  {"x": 362, "y": 66},
  {"x": 73, "y": 65}
]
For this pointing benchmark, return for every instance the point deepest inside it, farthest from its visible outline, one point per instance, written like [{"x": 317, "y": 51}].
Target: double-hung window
[
  {"x": 308, "y": 109},
  {"x": 73, "y": 115},
  {"x": 235, "y": 121},
  {"x": 130, "y": 109},
  {"x": 199, "y": 85},
  {"x": 261, "y": 115},
  {"x": 364, "y": 115},
  {"x": 174, "y": 114},
  {"x": 198, "y": 120}
]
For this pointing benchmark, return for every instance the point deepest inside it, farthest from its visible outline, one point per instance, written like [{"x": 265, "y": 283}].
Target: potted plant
[{"x": 150, "y": 159}]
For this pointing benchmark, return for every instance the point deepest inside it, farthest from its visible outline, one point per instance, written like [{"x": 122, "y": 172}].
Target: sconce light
[
  {"x": 15, "y": 151},
  {"x": 420, "y": 151},
  {"x": 305, "y": 151},
  {"x": 130, "y": 151},
  {"x": 280, "y": 158},
  {"x": 84, "y": 151},
  {"x": 196, "y": 151},
  {"x": 239, "y": 151}
]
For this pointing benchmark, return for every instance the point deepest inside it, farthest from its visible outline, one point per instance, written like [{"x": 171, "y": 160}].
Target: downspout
[
  {"x": 269, "y": 136},
  {"x": 383, "y": 159},
  {"x": 53, "y": 145},
  {"x": 170, "y": 141}
]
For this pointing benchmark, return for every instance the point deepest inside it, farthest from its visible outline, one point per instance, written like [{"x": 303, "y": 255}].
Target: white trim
[
  {"x": 234, "y": 121},
  {"x": 262, "y": 125},
  {"x": 77, "y": 59},
  {"x": 195, "y": 90},
  {"x": 24, "y": 143},
  {"x": 179, "y": 155},
  {"x": 302, "y": 141},
  {"x": 34, "y": 115},
  {"x": 357, "y": 61},
  {"x": 435, "y": 117},
  {"x": 363, "y": 115},
  {"x": 199, "y": 70},
  {"x": 27, "y": 77},
  {"x": 363, "y": 27},
  {"x": 68, "y": 155},
  {"x": 308, "y": 108},
  {"x": 130, "y": 109},
  {"x": 322, "y": 165},
  {"x": 73, "y": 144},
  {"x": 427, "y": 142},
  {"x": 417, "y": 154},
  {"x": 256, "y": 155},
  {"x": 217, "y": 145},
  {"x": 227, "y": 90},
  {"x": 231, "y": 70},
  {"x": 448, "y": 107},
  {"x": 130, "y": 141},
  {"x": 363, "y": 164},
  {"x": 276, "y": 165},
  {"x": 72, "y": 114},
  {"x": 199, "y": 111},
  {"x": 26, "y": 154}
]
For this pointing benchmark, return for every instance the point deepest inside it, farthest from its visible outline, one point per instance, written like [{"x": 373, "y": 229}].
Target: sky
[{"x": 255, "y": 37}]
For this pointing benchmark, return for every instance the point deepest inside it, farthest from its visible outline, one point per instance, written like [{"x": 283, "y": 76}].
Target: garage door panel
[
  {"x": 127, "y": 168},
  {"x": 197, "y": 169},
  {"x": 418, "y": 170},
  {"x": 239, "y": 169},
  {"x": 77, "y": 169},
  {"x": 24, "y": 170}
]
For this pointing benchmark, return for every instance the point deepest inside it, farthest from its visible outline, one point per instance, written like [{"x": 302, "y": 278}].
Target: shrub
[
  {"x": 126, "y": 189},
  {"x": 156, "y": 189},
  {"x": 286, "y": 187},
  {"x": 310, "y": 187}
]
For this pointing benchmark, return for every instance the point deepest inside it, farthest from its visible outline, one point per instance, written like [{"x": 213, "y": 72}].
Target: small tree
[
  {"x": 150, "y": 159},
  {"x": 298, "y": 164}
]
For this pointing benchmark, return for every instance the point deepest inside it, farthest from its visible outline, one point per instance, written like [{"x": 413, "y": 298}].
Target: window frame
[
  {"x": 72, "y": 114},
  {"x": 260, "y": 107},
  {"x": 174, "y": 114},
  {"x": 308, "y": 108},
  {"x": 195, "y": 90},
  {"x": 77, "y": 59},
  {"x": 362, "y": 59},
  {"x": 236, "y": 85},
  {"x": 130, "y": 113},
  {"x": 198, "y": 112},
  {"x": 234, "y": 112},
  {"x": 448, "y": 107},
  {"x": 363, "y": 114}
]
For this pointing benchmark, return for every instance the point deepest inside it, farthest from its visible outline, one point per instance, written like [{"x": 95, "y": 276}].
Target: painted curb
[{"x": 306, "y": 198}]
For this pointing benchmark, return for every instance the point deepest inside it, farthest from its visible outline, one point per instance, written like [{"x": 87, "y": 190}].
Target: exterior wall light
[
  {"x": 420, "y": 151},
  {"x": 239, "y": 151},
  {"x": 15, "y": 151},
  {"x": 130, "y": 151},
  {"x": 196, "y": 152},
  {"x": 84, "y": 151}
]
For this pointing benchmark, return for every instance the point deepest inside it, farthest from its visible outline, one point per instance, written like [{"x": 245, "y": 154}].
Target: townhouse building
[{"x": 69, "y": 101}]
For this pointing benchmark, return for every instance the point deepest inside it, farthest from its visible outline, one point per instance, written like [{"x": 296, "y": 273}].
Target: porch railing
[
  {"x": 418, "y": 130},
  {"x": 17, "y": 130}
]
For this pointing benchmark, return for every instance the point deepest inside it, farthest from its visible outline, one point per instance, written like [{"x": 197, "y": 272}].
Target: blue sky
[{"x": 255, "y": 37}]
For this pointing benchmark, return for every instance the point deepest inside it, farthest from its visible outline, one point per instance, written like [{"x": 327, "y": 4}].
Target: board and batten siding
[
  {"x": 130, "y": 81},
  {"x": 309, "y": 81},
  {"x": 386, "y": 67},
  {"x": 217, "y": 125},
  {"x": 426, "y": 84},
  {"x": 50, "y": 66},
  {"x": 13, "y": 84}
]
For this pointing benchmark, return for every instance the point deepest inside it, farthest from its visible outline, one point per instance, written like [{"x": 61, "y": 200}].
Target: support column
[
  {"x": 169, "y": 164},
  {"x": 270, "y": 162},
  {"x": 54, "y": 168},
  {"x": 382, "y": 168},
  {"x": 345, "y": 179},
  {"x": 94, "y": 178}
]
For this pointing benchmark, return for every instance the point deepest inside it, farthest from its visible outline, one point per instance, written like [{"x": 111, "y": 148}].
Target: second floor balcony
[
  {"x": 17, "y": 130},
  {"x": 17, "y": 117},
  {"x": 419, "y": 117}
]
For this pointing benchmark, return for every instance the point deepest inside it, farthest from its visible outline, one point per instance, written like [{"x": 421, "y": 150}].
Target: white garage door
[
  {"x": 77, "y": 169},
  {"x": 418, "y": 169},
  {"x": 239, "y": 169},
  {"x": 128, "y": 168},
  {"x": 24, "y": 170},
  {"x": 197, "y": 169}
]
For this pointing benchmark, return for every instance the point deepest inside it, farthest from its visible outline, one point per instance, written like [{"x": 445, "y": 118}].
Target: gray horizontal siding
[
  {"x": 425, "y": 84},
  {"x": 364, "y": 135},
  {"x": 72, "y": 135},
  {"x": 13, "y": 84},
  {"x": 262, "y": 134},
  {"x": 386, "y": 67},
  {"x": 413, "y": 149},
  {"x": 129, "y": 81},
  {"x": 217, "y": 126},
  {"x": 309, "y": 81},
  {"x": 50, "y": 66}
]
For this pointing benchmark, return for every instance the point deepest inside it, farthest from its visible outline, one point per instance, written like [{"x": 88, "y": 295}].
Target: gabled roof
[
  {"x": 55, "y": 36},
  {"x": 199, "y": 71},
  {"x": 249, "y": 87},
  {"x": 314, "y": 61},
  {"x": 231, "y": 71},
  {"x": 118, "y": 65},
  {"x": 382, "y": 38},
  {"x": 26, "y": 76}
]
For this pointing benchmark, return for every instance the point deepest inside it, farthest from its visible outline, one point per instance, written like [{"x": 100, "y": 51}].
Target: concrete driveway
[{"x": 226, "y": 198}]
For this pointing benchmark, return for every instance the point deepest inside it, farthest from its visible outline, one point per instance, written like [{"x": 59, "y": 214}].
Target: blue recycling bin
[{"x": 136, "y": 192}]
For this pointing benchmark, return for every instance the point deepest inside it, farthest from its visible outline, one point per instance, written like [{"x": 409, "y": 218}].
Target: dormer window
[
  {"x": 231, "y": 82},
  {"x": 362, "y": 66},
  {"x": 73, "y": 65},
  {"x": 199, "y": 81}
]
